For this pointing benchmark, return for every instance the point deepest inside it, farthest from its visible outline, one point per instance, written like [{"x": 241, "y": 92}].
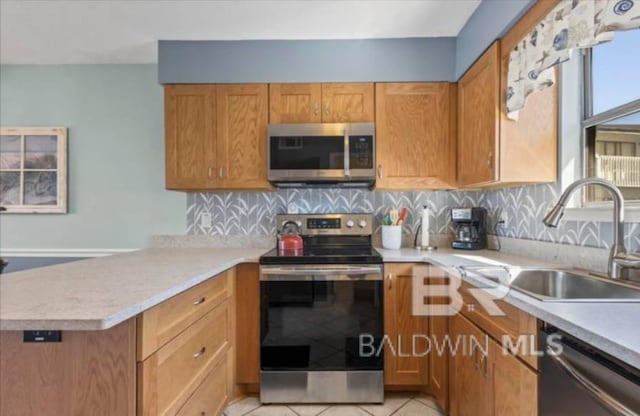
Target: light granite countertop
[
  {"x": 100, "y": 293},
  {"x": 611, "y": 327}
]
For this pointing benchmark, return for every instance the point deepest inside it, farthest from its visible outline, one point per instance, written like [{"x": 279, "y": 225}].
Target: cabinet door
[
  {"x": 515, "y": 386},
  {"x": 415, "y": 139},
  {"x": 439, "y": 330},
  {"x": 401, "y": 367},
  {"x": 531, "y": 141},
  {"x": 295, "y": 103},
  {"x": 248, "y": 324},
  {"x": 242, "y": 131},
  {"x": 347, "y": 103},
  {"x": 471, "y": 387},
  {"x": 478, "y": 121},
  {"x": 190, "y": 136}
]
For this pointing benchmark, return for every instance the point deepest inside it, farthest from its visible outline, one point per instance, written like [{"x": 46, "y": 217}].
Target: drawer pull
[
  {"x": 200, "y": 353},
  {"x": 199, "y": 301}
]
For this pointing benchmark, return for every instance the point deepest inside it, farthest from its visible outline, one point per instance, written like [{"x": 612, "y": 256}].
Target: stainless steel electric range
[{"x": 321, "y": 314}]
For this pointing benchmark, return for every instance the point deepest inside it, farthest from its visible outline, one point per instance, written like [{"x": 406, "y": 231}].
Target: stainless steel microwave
[{"x": 337, "y": 154}]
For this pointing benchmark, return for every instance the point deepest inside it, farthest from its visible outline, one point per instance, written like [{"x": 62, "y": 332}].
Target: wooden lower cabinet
[
  {"x": 87, "y": 373},
  {"x": 211, "y": 396},
  {"x": 248, "y": 324},
  {"x": 401, "y": 367},
  {"x": 170, "y": 376},
  {"x": 484, "y": 380},
  {"x": 471, "y": 392}
]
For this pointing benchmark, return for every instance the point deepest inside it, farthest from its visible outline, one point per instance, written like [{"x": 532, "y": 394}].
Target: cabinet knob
[
  {"x": 221, "y": 174},
  {"x": 379, "y": 171}
]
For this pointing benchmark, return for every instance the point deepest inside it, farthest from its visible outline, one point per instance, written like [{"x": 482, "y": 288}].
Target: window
[
  {"x": 33, "y": 170},
  {"x": 612, "y": 116}
]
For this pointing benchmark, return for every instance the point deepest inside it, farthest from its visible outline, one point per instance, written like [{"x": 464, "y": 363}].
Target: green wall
[{"x": 116, "y": 189}]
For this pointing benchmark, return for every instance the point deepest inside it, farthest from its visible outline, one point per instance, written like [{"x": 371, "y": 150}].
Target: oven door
[
  {"x": 314, "y": 318},
  {"x": 321, "y": 152}
]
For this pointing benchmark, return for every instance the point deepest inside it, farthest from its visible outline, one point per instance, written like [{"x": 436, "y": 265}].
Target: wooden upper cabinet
[
  {"x": 347, "y": 103},
  {"x": 416, "y": 135},
  {"x": 242, "y": 142},
  {"x": 321, "y": 103},
  {"x": 401, "y": 367},
  {"x": 494, "y": 149},
  {"x": 528, "y": 146},
  {"x": 295, "y": 103},
  {"x": 478, "y": 127},
  {"x": 190, "y": 136}
]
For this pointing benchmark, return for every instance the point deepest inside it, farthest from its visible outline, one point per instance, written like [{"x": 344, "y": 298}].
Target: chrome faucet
[{"x": 619, "y": 259}]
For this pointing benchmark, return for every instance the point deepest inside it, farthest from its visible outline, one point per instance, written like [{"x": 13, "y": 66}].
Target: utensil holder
[{"x": 392, "y": 237}]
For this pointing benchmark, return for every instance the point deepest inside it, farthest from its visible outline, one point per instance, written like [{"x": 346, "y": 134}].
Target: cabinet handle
[
  {"x": 390, "y": 279},
  {"x": 490, "y": 160},
  {"x": 326, "y": 109},
  {"x": 199, "y": 301},
  {"x": 483, "y": 364},
  {"x": 199, "y": 353},
  {"x": 221, "y": 175},
  {"x": 316, "y": 108},
  {"x": 379, "y": 171},
  {"x": 210, "y": 171}
]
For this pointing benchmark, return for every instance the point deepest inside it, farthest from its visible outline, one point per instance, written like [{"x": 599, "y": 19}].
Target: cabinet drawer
[
  {"x": 514, "y": 323},
  {"x": 165, "y": 321},
  {"x": 169, "y": 376},
  {"x": 212, "y": 395}
]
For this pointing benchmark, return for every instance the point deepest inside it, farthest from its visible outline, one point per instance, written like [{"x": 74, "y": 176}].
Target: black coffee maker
[{"x": 471, "y": 231}]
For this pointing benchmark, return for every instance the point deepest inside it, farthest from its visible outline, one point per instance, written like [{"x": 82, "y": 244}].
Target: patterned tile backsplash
[{"x": 253, "y": 213}]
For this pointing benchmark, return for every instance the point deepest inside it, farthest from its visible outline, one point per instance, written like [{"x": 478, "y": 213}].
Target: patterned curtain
[{"x": 571, "y": 24}]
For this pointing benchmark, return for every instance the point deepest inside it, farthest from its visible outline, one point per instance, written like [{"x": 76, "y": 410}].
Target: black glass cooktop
[{"x": 325, "y": 255}]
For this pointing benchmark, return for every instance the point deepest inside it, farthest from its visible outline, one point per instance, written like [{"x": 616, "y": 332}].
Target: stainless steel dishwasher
[{"x": 581, "y": 380}]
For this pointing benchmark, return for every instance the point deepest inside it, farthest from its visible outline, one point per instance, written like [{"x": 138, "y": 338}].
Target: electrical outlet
[{"x": 205, "y": 220}]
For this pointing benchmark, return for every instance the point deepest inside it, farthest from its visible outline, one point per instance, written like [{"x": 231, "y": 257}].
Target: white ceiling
[{"x": 126, "y": 31}]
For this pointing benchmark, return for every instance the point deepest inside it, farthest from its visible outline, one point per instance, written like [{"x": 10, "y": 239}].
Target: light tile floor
[{"x": 397, "y": 405}]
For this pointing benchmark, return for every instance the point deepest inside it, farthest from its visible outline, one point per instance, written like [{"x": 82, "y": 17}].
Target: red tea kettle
[{"x": 289, "y": 240}]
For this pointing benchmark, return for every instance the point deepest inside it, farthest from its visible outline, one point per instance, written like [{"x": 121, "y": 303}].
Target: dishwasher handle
[{"x": 595, "y": 391}]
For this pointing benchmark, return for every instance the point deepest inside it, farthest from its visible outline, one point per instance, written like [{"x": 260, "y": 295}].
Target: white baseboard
[{"x": 63, "y": 252}]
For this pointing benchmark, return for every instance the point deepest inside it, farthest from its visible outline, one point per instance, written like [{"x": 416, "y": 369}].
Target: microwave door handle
[
  {"x": 595, "y": 391},
  {"x": 347, "y": 171}
]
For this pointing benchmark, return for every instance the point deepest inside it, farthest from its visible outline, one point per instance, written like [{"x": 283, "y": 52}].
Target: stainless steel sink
[{"x": 557, "y": 285}]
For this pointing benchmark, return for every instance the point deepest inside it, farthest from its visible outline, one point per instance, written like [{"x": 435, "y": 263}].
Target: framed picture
[{"x": 33, "y": 169}]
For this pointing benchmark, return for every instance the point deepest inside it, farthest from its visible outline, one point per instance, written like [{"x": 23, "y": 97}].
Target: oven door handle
[
  {"x": 321, "y": 273},
  {"x": 595, "y": 391}
]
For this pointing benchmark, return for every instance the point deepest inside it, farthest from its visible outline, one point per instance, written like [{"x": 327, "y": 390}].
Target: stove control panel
[{"x": 329, "y": 224}]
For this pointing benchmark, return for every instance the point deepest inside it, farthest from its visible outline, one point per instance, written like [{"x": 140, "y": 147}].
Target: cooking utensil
[
  {"x": 289, "y": 240},
  {"x": 402, "y": 216}
]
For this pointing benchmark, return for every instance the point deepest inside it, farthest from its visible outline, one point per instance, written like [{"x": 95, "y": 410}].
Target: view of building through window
[{"x": 613, "y": 144}]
